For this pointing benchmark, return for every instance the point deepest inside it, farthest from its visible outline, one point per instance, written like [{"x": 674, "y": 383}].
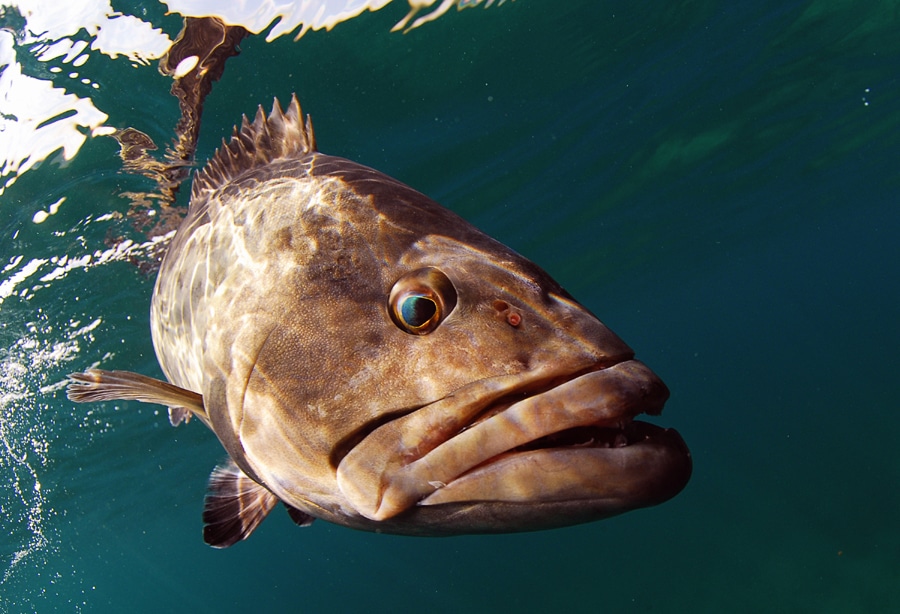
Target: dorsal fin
[
  {"x": 281, "y": 134},
  {"x": 234, "y": 506}
]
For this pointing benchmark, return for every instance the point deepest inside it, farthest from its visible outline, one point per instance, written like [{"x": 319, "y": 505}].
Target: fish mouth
[{"x": 540, "y": 438}]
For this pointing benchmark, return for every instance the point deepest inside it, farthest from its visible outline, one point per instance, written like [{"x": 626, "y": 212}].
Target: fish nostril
[{"x": 507, "y": 312}]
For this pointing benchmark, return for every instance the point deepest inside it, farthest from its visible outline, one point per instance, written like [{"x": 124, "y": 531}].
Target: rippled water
[{"x": 718, "y": 182}]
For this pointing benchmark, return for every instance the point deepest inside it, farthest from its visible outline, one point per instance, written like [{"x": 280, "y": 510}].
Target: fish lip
[
  {"x": 648, "y": 399},
  {"x": 599, "y": 396},
  {"x": 654, "y": 466}
]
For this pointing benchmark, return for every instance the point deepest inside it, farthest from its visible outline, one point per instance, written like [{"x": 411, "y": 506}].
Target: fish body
[{"x": 367, "y": 357}]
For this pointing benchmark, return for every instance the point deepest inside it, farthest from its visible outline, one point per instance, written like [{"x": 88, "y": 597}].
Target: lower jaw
[{"x": 609, "y": 469}]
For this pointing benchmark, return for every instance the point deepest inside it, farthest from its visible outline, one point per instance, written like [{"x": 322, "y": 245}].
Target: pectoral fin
[
  {"x": 234, "y": 506},
  {"x": 98, "y": 385}
]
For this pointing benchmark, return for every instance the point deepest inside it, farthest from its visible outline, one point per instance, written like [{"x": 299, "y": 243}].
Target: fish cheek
[
  {"x": 315, "y": 369},
  {"x": 289, "y": 418}
]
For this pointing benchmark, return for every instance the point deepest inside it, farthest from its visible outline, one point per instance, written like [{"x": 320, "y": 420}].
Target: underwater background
[{"x": 719, "y": 182}]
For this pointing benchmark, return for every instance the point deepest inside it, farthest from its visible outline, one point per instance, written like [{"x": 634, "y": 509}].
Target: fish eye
[
  {"x": 417, "y": 310},
  {"x": 421, "y": 300}
]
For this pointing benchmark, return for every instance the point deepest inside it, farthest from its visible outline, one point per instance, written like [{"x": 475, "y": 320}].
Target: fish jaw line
[
  {"x": 362, "y": 472},
  {"x": 605, "y": 398},
  {"x": 652, "y": 467}
]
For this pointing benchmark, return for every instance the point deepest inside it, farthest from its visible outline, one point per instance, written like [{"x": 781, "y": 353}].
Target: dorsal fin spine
[{"x": 281, "y": 134}]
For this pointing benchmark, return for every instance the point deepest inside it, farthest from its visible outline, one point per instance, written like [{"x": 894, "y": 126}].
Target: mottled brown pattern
[
  {"x": 291, "y": 341},
  {"x": 512, "y": 410}
]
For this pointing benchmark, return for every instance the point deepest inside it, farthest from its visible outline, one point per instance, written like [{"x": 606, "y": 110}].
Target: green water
[{"x": 718, "y": 181}]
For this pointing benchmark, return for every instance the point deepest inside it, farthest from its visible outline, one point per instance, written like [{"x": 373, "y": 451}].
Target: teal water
[{"x": 718, "y": 182}]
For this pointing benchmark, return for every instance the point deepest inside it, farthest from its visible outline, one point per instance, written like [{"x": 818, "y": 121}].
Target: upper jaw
[{"x": 404, "y": 462}]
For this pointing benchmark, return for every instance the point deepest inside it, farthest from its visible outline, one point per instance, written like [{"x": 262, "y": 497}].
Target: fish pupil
[{"x": 417, "y": 311}]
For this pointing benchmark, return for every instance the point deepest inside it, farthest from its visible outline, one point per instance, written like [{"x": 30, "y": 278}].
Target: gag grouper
[{"x": 368, "y": 357}]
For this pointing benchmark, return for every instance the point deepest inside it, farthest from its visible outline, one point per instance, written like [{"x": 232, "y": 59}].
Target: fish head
[{"x": 398, "y": 370}]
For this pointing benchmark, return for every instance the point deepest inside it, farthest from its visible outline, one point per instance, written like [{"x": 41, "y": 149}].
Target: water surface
[{"x": 717, "y": 181}]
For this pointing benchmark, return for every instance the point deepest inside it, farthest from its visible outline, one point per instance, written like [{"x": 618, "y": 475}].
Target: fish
[{"x": 367, "y": 357}]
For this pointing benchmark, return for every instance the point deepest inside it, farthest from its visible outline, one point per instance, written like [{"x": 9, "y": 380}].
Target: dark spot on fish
[
  {"x": 284, "y": 239},
  {"x": 339, "y": 254}
]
